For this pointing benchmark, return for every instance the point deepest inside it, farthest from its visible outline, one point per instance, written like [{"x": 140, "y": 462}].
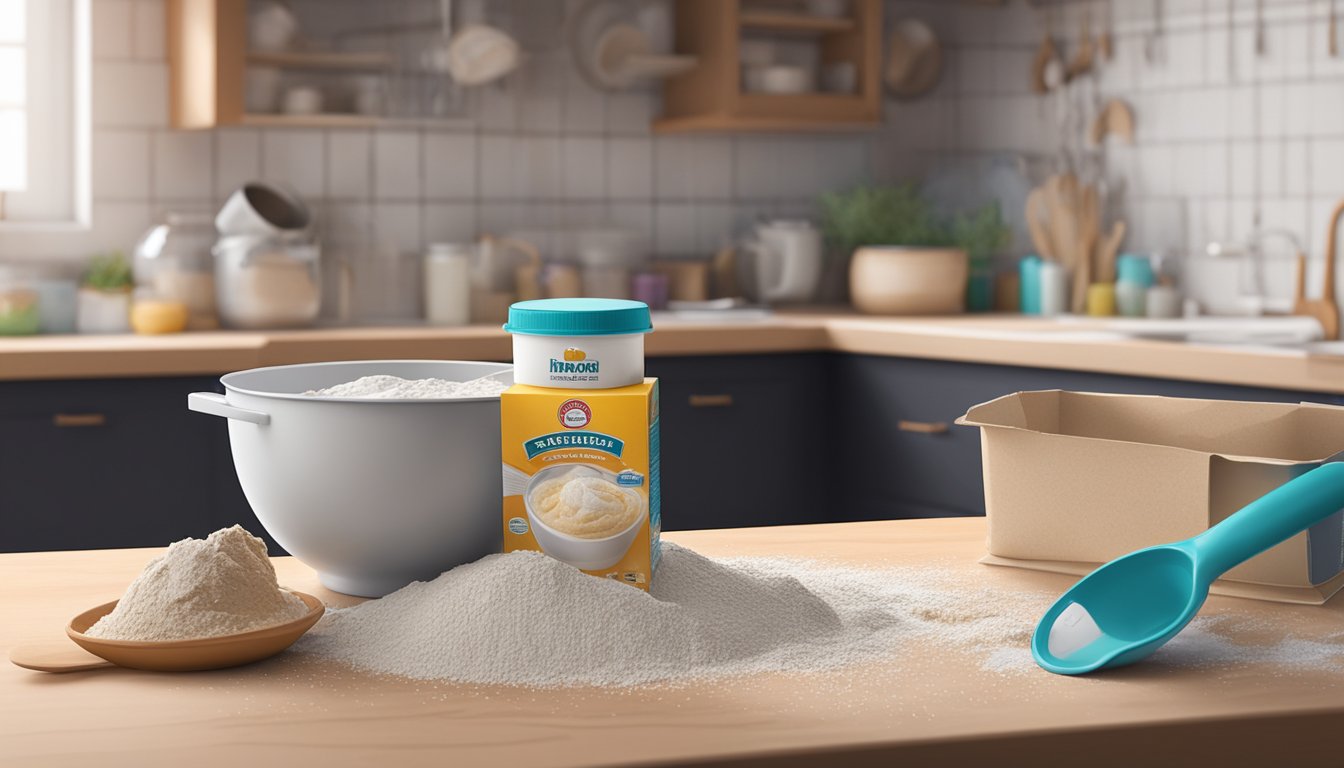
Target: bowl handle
[{"x": 215, "y": 405}]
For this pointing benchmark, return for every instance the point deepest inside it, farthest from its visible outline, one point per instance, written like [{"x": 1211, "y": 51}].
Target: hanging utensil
[
  {"x": 1046, "y": 69},
  {"x": 1106, "y": 40},
  {"x": 1334, "y": 31},
  {"x": 1152, "y": 44},
  {"x": 1084, "y": 54}
]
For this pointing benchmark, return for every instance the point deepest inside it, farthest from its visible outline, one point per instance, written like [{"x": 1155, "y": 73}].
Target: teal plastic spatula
[{"x": 1128, "y": 608}]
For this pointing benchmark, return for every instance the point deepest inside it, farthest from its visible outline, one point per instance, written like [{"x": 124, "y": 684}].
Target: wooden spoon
[
  {"x": 172, "y": 656},
  {"x": 1038, "y": 218},
  {"x": 1046, "y": 61},
  {"x": 1085, "y": 55},
  {"x": 1107, "y": 252},
  {"x": 1324, "y": 309}
]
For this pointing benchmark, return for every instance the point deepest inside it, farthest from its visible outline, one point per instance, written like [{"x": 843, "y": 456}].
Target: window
[{"x": 43, "y": 113}]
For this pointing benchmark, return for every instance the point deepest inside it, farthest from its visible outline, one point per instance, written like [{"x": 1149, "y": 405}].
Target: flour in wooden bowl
[{"x": 220, "y": 585}]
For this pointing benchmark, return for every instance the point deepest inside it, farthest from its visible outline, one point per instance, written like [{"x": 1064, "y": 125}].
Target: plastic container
[
  {"x": 154, "y": 314},
  {"x": 173, "y": 260},
  {"x": 448, "y": 283},
  {"x": 1101, "y": 299},
  {"x": 1134, "y": 276},
  {"x": 1054, "y": 288},
  {"x": 1029, "y": 276},
  {"x": 578, "y": 343}
]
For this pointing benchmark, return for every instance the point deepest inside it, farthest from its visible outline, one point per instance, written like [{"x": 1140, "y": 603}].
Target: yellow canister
[{"x": 1101, "y": 299}]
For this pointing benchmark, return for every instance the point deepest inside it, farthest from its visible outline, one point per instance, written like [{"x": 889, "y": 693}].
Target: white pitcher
[{"x": 783, "y": 261}]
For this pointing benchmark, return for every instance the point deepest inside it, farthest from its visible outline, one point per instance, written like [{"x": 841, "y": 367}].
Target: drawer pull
[
  {"x": 79, "y": 420},
  {"x": 711, "y": 401},
  {"x": 923, "y": 427}
]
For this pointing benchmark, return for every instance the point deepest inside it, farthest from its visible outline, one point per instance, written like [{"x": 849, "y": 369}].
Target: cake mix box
[{"x": 581, "y": 477}]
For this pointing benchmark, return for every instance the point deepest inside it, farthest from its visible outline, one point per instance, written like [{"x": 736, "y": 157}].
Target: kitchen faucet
[{"x": 1254, "y": 300}]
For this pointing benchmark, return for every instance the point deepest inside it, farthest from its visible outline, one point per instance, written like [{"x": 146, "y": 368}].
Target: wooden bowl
[
  {"x": 897, "y": 280},
  {"x": 193, "y": 655}
]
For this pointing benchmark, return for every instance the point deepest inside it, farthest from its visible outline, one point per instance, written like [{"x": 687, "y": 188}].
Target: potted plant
[
  {"x": 906, "y": 259},
  {"x": 104, "y": 304}
]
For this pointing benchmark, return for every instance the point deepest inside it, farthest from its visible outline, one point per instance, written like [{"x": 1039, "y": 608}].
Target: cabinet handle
[
  {"x": 711, "y": 401},
  {"x": 79, "y": 420},
  {"x": 923, "y": 427}
]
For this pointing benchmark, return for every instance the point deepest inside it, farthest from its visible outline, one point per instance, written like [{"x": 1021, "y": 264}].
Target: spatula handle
[
  {"x": 1275, "y": 517},
  {"x": 55, "y": 657}
]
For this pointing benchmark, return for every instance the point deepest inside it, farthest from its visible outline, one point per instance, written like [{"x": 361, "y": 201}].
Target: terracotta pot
[{"x": 900, "y": 280}]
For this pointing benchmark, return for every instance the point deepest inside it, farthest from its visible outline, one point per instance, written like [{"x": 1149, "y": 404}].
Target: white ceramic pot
[
  {"x": 584, "y": 554},
  {"x": 373, "y": 494},
  {"x": 99, "y": 311},
  {"x": 897, "y": 280}
]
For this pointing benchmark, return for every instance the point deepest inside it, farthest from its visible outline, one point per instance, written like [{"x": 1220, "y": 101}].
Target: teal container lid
[
  {"x": 579, "y": 317},
  {"x": 1132, "y": 268}
]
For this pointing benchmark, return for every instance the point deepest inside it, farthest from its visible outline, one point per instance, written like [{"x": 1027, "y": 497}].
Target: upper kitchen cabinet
[
  {"x": 316, "y": 63},
  {"x": 776, "y": 66}
]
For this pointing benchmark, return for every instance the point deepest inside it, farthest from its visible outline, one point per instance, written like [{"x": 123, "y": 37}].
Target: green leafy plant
[
  {"x": 108, "y": 272},
  {"x": 900, "y": 215},
  {"x": 981, "y": 233}
]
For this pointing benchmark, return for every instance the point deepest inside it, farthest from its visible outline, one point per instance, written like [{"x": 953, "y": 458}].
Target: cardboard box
[
  {"x": 605, "y": 442},
  {"x": 1075, "y": 479}
]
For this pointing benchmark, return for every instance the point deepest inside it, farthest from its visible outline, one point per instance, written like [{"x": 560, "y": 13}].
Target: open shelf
[
  {"x": 351, "y": 120},
  {"x": 331, "y": 60},
  {"x": 795, "y": 23}
]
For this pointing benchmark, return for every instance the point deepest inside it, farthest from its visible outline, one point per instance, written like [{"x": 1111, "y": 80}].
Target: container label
[{"x": 557, "y": 441}]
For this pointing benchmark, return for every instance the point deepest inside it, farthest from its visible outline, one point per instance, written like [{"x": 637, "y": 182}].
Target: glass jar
[
  {"x": 19, "y": 308},
  {"x": 173, "y": 261}
]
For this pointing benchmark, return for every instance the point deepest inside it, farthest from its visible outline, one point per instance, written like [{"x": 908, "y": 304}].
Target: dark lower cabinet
[
  {"x": 746, "y": 440},
  {"x": 743, "y": 439},
  {"x": 112, "y": 463}
]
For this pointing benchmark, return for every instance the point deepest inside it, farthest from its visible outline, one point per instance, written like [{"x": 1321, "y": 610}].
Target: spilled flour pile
[
  {"x": 219, "y": 585},
  {"x": 382, "y": 387},
  {"x": 526, "y": 619}
]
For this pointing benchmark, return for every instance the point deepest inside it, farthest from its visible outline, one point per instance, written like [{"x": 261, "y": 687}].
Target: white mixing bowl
[
  {"x": 584, "y": 554},
  {"x": 373, "y": 494}
]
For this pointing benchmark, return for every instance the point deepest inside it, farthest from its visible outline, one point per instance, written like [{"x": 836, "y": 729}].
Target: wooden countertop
[
  {"x": 926, "y": 706},
  {"x": 1006, "y": 340}
]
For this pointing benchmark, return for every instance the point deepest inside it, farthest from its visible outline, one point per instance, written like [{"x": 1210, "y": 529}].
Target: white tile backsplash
[
  {"x": 130, "y": 94},
  {"x": 110, "y": 30},
  {"x": 296, "y": 158},
  {"x": 451, "y": 163},
  {"x": 583, "y": 168},
  {"x": 629, "y": 169},
  {"x": 149, "y": 39},
  {"x": 237, "y": 159},
  {"x": 396, "y": 160},
  {"x": 123, "y": 174},
  {"x": 182, "y": 165},
  {"x": 349, "y": 164}
]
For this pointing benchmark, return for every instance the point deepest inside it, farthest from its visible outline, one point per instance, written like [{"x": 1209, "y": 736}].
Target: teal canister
[
  {"x": 1133, "y": 278},
  {"x": 1029, "y": 277}
]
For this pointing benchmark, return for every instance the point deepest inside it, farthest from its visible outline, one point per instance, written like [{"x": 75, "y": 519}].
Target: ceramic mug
[{"x": 786, "y": 256}]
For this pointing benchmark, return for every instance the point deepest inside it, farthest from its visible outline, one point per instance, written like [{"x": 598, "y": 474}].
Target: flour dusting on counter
[
  {"x": 526, "y": 619},
  {"x": 383, "y": 387}
]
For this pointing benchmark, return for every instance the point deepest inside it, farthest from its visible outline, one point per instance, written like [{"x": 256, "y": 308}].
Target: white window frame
[{"x": 65, "y": 178}]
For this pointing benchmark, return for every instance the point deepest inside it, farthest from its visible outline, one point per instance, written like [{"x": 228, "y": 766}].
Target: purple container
[{"x": 650, "y": 288}]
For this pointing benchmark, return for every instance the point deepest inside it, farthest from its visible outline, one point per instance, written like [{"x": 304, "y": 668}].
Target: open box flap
[{"x": 1276, "y": 433}]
